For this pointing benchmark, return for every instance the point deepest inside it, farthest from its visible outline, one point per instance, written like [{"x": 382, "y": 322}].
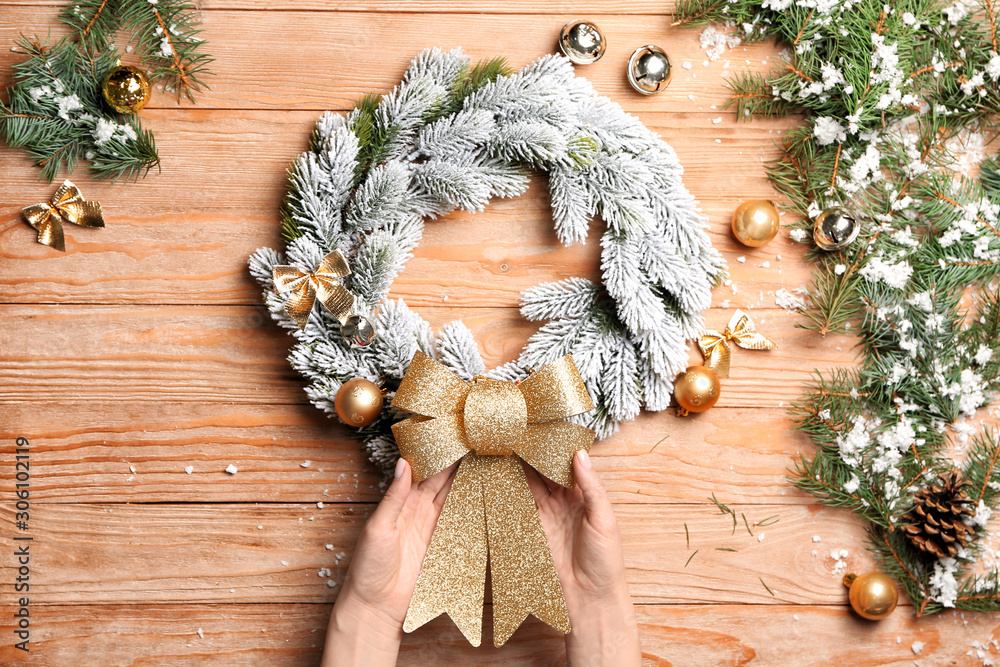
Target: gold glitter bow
[
  {"x": 305, "y": 287},
  {"x": 740, "y": 330},
  {"x": 489, "y": 512},
  {"x": 67, "y": 204}
]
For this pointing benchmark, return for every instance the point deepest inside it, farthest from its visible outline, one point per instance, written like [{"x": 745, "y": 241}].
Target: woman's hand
[
  {"x": 366, "y": 625},
  {"x": 583, "y": 535}
]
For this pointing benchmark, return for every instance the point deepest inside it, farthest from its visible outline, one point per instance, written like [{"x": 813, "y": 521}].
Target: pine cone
[{"x": 937, "y": 518}]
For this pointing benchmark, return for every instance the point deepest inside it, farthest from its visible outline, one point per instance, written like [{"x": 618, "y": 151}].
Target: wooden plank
[
  {"x": 592, "y": 7},
  {"x": 291, "y": 635},
  {"x": 234, "y": 354},
  {"x": 184, "y": 235},
  {"x": 272, "y": 552},
  {"x": 87, "y": 451},
  {"x": 323, "y": 60}
]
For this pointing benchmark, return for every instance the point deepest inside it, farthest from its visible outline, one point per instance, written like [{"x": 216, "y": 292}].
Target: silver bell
[
  {"x": 835, "y": 228},
  {"x": 358, "y": 330},
  {"x": 582, "y": 42},
  {"x": 649, "y": 69}
]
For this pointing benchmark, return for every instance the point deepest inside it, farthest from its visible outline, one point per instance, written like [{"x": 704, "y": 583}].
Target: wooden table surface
[{"x": 144, "y": 349}]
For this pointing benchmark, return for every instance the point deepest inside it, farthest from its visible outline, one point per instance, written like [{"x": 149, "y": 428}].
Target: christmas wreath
[{"x": 452, "y": 136}]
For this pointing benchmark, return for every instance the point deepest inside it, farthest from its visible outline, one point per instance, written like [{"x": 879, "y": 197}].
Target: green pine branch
[
  {"x": 166, "y": 35},
  {"x": 167, "y": 40},
  {"x": 55, "y": 111},
  {"x": 885, "y": 90}
]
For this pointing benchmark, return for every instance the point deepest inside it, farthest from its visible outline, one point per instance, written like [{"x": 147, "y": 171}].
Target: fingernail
[
  {"x": 400, "y": 467},
  {"x": 584, "y": 459}
]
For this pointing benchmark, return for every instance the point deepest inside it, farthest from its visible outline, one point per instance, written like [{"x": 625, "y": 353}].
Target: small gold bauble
[
  {"x": 358, "y": 402},
  {"x": 696, "y": 390},
  {"x": 755, "y": 222},
  {"x": 649, "y": 69},
  {"x": 126, "y": 89},
  {"x": 582, "y": 42},
  {"x": 873, "y": 594},
  {"x": 835, "y": 228}
]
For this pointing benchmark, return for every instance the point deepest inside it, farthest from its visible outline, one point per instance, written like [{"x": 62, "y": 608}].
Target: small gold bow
[
  {"x": 741, "y": 330},
  {"x": 67, "y": 204},
  {"x": 305, "y": 287},
  {"x": 489, "y": 513}
]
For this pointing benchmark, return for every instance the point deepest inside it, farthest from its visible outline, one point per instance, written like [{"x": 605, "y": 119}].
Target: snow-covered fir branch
[{"x": 452, "y": 136}]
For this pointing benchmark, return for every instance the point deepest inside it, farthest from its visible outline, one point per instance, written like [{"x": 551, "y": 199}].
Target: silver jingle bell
[
  {"x": 835, "y": 228},
  {"x": 358, "y": 330},
  {"x": 582, "y": 42},
  {"x": 649, "y": 69}
]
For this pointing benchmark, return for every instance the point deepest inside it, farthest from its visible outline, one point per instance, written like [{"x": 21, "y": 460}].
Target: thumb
[
  {"x": 595, "y": 498},
  {"x": 395, "y": 497}
]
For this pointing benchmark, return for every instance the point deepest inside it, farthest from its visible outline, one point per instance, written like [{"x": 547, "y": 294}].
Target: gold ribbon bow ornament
[
  {"x": 67, "y": 205},
  {"x": 304, "y": 287},
  {"x": 489, "y": 513},
  {"x": 740, "y": 330}
]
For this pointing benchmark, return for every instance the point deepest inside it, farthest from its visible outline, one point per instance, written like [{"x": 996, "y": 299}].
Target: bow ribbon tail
[
  {"x": 47, "y": 221},
  {"x": 453, "y": 575},
  {"x": 301, "y": 293},
  {"x": 335, "y": 297},
  {"x": 524, "y": 575},
  {"x": 715, "y": 347}
]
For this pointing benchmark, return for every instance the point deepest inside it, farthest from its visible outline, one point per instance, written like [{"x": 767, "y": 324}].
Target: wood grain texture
[
  {"x": 154, "y": 245},
  {"x": 291, "y": 635},
  {"x": 332, "y": 64},
  {"x": 272, "y": 552},
  {"x": 86, "y": 453},
  {"x": 154, "y": 248},
  {"x": 235, "y": 354}
]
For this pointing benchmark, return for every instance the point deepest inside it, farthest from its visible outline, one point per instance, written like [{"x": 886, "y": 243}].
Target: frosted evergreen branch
[
  {"x": 888, "y": 92},
  {"x": 55, "y": 111},
  {"x": 453, "y": 137}
]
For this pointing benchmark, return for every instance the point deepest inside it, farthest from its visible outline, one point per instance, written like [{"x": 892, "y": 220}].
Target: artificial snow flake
[
  {"x": 828, "y": 130},
  {"x": 894, "y": 275},
  {"x": 993, "y": 67},
  {"x": 714, "y": 42},
  {"x": 983, "y": 513},
  {"x": 944, "y": 586},
  {"x": 166, "y": 49},
  {"x": 851, "y": 485},
  {"x": 854, "y": 442},
  {"x": 104, "y": 130},
  {"x": 983, "y": 355}
]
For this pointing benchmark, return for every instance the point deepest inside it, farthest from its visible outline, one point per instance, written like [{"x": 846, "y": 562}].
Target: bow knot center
[{"x": 495, "y": 416}]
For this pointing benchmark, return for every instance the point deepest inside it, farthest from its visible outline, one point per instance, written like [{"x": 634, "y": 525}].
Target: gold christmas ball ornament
[
  {"x": 126, "y": 89},
  {"x": 755, "y": 222},
  {"x": 835, "y": 228},
  {"x": 696, "y": 390},
  {"x": 649, "y": 69},
  {"x": 582, "y": 42},
  {"x": 358, "y": 402},
  {"x": 873, "y": 595}
]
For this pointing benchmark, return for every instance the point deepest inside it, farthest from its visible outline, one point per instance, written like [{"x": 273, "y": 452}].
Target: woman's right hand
[{"x": 583, "y": 534}]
